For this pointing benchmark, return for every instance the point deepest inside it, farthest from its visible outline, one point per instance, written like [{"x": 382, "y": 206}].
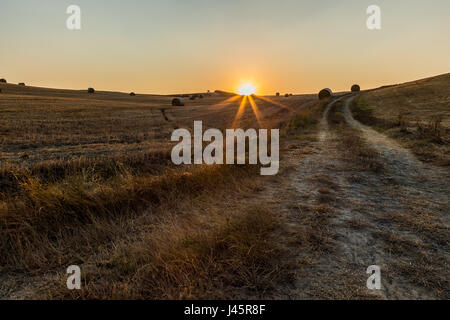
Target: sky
[{"x": 182, "y": 46}]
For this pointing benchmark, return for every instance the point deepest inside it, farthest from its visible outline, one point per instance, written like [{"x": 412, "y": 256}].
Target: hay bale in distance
[
  {"x": 325, "y": 93},
  {"x": 286, "y": 95},
  {"x": 3, "y": 81},
  {"x": 277, "y": 94},
  {"x": 22, "y": 84},
  {"x": 177, "y": 102},
  {"x": 356, "y": 88},
  {"x": 132, "y": 94},
  {"x": 91, "y": 90},
  {"x": 193, "y": 97}
]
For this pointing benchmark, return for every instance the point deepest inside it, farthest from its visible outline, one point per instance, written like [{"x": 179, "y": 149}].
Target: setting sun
[{"x": 247, "y": 89}]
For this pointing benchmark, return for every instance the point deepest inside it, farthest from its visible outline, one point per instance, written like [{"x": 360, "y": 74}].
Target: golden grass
[
  {"x": 45, "y": 211},
  {"x": 87, "y": 180},
  {"x": 201, "y": 257}
]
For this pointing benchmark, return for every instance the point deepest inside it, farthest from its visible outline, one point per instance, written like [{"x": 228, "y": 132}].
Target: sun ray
[
  {"x": 276, "y": 103},
  {"x": 225, "y": 103},
  {"x": 255, "y": 110},
  {"x": 240, "y": 112}
]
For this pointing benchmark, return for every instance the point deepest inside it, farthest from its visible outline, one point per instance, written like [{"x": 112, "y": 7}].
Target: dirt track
[{"x": 385, "y": 218}]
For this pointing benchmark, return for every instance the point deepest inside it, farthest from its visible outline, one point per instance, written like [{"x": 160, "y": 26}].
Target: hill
[{"x": 87, "y": 180}]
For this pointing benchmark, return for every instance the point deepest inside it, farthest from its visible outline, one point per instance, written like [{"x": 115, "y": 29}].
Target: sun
[{"x": 247, "y": 89}]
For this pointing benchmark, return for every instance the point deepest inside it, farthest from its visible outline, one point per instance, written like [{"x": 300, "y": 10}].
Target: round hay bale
[
  {"x": 325, "y": 93},
  {"x": 177, "y": 102},
  {"x": 21, "y": 84},
  {"x": 277, "y": 94},
  {"x": 3, "y": 81},
  {"x": 91, "y": 90},
  {"x": 132, "y": 94},
  {"x": 356, "y": 88},
  {"x": 286, "y": 95}
]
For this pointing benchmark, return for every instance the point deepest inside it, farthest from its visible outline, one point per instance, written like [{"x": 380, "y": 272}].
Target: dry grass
[
  {"x": 363, "y": 156},
  {"x": 423, "y": 223},
  {"x": 303, "y": 120},
  {"x": 417, "y": 262},
  {"x": 201, "y": 257},
  {"x": 317, "y": 229},
  {"x": 52, "y": 171},
  {"x": 346, "y": 286},
  {"x": 357, "y": 223},
  {"x": 45, "y": 211}
]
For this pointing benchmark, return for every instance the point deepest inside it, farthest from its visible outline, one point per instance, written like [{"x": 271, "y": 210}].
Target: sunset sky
[{"x": 170, "y": 46}]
